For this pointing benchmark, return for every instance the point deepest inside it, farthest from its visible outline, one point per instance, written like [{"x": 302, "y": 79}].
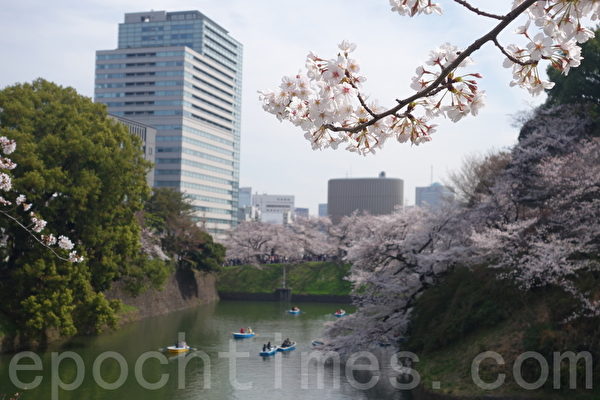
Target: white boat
[
  {"x": 177, "y": 349},
  {"x": 269, "y": 352},
  {"x": 287, "y": 348}
]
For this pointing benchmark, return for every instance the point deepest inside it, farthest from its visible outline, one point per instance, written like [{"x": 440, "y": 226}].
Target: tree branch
[
  {"x": 476, "y": 45},
  {"x": 478, "y": 11},
  {"x": 364, "y": 104},
  {"x": 33, "y": 235},
  {"x": 510, "y": 56}
]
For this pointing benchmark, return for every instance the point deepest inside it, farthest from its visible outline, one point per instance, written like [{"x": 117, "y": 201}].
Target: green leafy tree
[
  {"x": 582, "y": 85},
  {"x": 170, "y": 214},
  {"x": 86, "y": 174}
]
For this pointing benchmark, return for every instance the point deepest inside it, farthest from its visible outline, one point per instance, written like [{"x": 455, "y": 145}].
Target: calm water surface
[{"x": 207, "y": 329}]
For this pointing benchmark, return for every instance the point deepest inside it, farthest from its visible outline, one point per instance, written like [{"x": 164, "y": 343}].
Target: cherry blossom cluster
[
  {"x": 36, "y": 223},
  {"x": 560, "y": 27},
  {"x": 545, "y": 208},
  {"x": 326, "y": 101},
  {"x": 460, "y": 95},
  {"x": 415, "y": 7}
]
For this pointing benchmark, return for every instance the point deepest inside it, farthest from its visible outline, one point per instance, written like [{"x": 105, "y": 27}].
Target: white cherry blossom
[
  {"x": 36, "y": 224},
  {"x": 327, "y": 100}
]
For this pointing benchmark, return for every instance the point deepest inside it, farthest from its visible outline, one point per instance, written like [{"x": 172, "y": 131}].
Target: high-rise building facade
[
  {"x": 376, "y": 196},
  {"x": 147, "y": 135},
  {"x": 181, "y": 73}
]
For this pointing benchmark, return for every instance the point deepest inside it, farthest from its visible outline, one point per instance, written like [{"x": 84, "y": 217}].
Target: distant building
[
  {"x": 245, "y": 197},
  {"x": 433, "y": 196},
  {"x": 148, "y": 136},
  {"x": 287, "y": 217},
  {"x": 301, "y": 213},
  {"x": 376, "y": 196},
  {"x": 323, "y": 210},
  {"x": 274, "y": 208},
  {"x": 248, "y": 213}
]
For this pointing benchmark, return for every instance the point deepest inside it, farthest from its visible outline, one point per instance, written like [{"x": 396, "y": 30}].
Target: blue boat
[
  {"x": 268, "y": 352},
  {"x": 246, "y": 335},
  {"x": 295, "y": 312},
  {"x": 288, "y": 348}
]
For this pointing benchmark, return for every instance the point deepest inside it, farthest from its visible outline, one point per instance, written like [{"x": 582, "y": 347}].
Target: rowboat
[
  {"x": 339, "y": 314},
  {"x": 295, "y": 312},
  {"x": 268, "y": 352},
  {"x": 175, "y": 349},
  {"x": 317, "y": 343},
  {"x": 246, "y": 335},
  {"x": 288, "y": 348}
]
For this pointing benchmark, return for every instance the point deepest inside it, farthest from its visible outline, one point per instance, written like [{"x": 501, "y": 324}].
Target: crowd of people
[{"x": 276, "y": 259}]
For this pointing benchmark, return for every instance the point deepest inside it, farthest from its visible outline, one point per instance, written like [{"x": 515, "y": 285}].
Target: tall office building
[
  {"x": 147, "y": 134},
  {"x": 181, "y": 73}
]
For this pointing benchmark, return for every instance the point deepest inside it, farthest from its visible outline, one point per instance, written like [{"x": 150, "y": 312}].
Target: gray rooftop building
[
  {"x": 375, "y": 196},
  {"x": 433, "y": 196},
  {"x": 181, "y": 73}
]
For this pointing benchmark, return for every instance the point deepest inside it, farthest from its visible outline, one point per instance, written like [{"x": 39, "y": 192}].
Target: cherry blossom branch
[
  {"x": 26, "y": 229},
  {"x": 478, "y": 11},
  {"x": 7, "y": 146},
  {"x": 510, "y": 56},
  {"x": 364, "y": 104},
  {"x": 327, "y": 104},
  {"x": 490, "y": 36}
]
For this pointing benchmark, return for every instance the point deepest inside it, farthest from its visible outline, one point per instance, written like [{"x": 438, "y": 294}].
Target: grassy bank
[
  {"x": 311, "y": 278},
  {"x": 472, "y": 312}
]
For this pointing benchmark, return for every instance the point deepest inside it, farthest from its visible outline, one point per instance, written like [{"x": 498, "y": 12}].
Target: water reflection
[{"x": 204, "y": 373}]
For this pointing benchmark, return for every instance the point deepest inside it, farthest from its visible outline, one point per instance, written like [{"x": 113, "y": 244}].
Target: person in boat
[
  {"x": 295, "y": 308},
  {"x": 264, "y": 348},
  {"x": 242, "y": 330},
  {"x": 286, "y": 343},
  {"x": 249, "y": 330},
  {"x": 269, "y": 346}
]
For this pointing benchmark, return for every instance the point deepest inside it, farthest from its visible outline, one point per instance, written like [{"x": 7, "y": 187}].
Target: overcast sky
[{"x": 57, "y": 41}]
